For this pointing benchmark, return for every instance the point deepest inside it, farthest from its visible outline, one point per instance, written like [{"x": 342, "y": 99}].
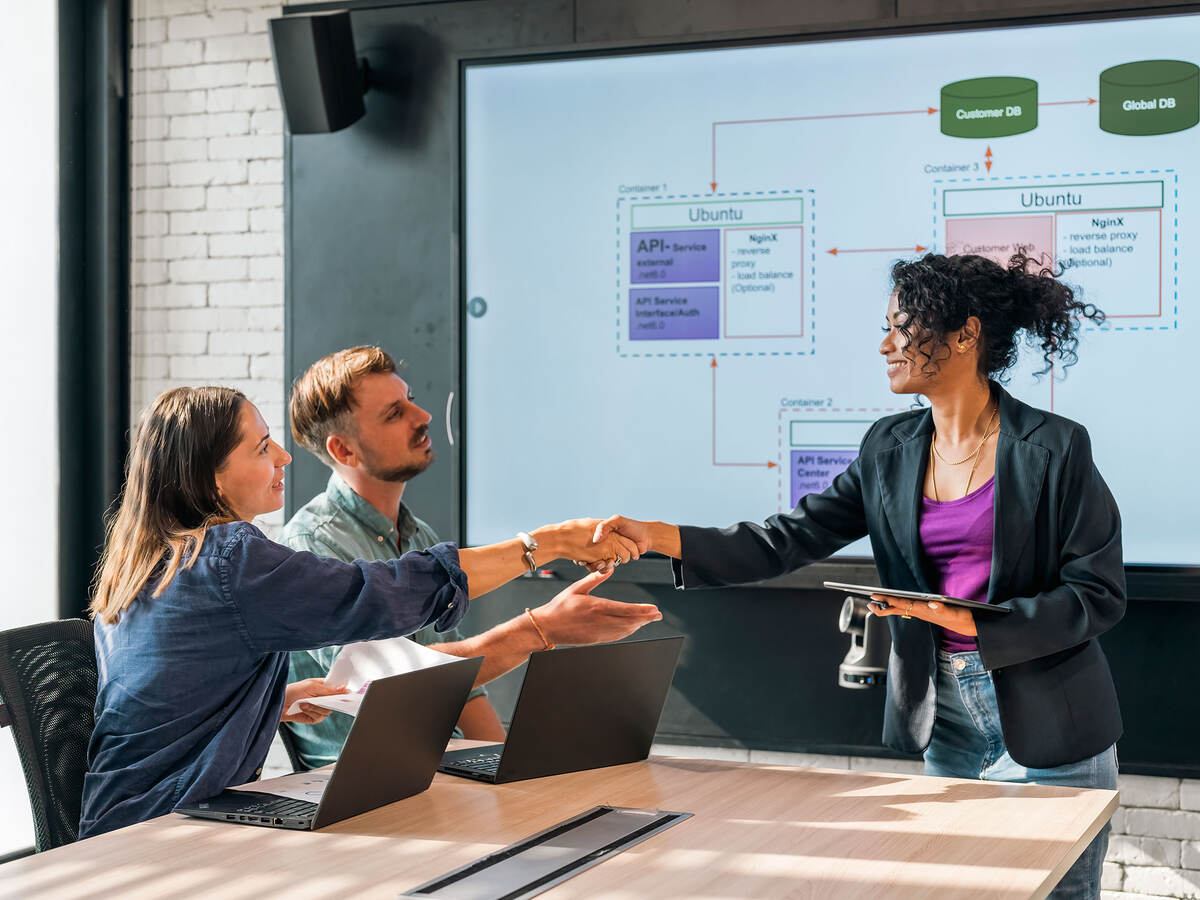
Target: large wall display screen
[{"x": 676, "y": 263}]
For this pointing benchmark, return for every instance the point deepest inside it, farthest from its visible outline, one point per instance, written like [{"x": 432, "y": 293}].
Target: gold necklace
[
  {"x": 987, "y": 433},
  {"x": 933, "y": 474},
  {"x": 970, "y": 475}
]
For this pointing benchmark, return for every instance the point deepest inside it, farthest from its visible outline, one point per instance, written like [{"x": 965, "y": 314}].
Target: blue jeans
[{"x": 967, "y": 743}]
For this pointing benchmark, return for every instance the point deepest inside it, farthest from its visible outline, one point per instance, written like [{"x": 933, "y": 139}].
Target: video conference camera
[{"x": 865, "y": 663}]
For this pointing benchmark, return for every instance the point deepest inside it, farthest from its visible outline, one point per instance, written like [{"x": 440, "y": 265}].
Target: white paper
[
  {"x": 357, "y": 665},
  {"x": 346, "y": 703},
  {"x": 309, "y": 788}
]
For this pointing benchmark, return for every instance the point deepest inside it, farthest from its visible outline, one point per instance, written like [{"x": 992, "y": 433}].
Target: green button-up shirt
[{"x": 340, "y": 524}]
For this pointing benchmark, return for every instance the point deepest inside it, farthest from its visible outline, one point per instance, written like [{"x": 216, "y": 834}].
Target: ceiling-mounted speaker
[{"x": 321, "y": 79}]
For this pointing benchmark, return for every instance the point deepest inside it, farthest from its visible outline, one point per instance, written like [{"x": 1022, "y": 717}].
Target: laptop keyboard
[
  {"x": 481, "y": 762},
  {"x": 281, "y": 807}
]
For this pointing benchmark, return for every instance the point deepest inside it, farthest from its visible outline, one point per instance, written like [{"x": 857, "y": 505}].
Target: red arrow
[
  {"x": 917, "y": 249},
  {"x": 988, "y": 159},
  {"x": 757, "y": 465},
  {"x": 714, "y": 164},
  {"x": 927, "y": 111},
  {"x": 1089, "y": 101}
]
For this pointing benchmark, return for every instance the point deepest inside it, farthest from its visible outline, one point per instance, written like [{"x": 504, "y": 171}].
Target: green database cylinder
[
  {"x": 1154, "y": 96},
  {"x": 989, "y": 107}
]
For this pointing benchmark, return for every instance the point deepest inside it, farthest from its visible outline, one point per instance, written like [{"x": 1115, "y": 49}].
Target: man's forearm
[
  {"x": 493, "y": 565},
  {"x": 479, "y": 721},
  {"x": 503, "y": 647},
  {"x": 489, "y": 567}
]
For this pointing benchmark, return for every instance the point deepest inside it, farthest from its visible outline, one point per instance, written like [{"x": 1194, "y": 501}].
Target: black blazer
[{"x": 1056, "y": 561}]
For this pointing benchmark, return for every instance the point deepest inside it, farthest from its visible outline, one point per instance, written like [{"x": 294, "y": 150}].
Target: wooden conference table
[{"x": 757, "y": 831}]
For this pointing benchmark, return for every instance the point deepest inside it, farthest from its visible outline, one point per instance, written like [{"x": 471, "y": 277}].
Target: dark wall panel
[
  {"x": 1150, "y": 653},
  {"x": 372, "y": 244},
  {"x": 93, "y": 269},
  {"x": 623, "y": 20},
  {"x": 759, "y": 668},
  {"x": 969, "y": 9},
  {"x": 760, "y": 665}
]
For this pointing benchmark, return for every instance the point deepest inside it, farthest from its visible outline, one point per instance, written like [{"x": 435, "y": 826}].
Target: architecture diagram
[
  {"x": 735, "y": 275},
  {"x": 692, "y": 278}
]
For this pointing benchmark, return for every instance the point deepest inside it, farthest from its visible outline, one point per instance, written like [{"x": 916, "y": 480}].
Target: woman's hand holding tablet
[
  {"x": 948, "y": 612},
  {"x": 955, "y": 618}
]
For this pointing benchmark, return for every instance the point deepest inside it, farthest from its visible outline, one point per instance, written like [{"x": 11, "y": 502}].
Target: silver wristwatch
[{"x": 530, "y": 545}]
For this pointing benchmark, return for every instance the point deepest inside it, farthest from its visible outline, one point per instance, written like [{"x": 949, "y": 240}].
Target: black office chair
[
  {"x": 48, "y": 687},
  {"x": 289, "y": 744}
]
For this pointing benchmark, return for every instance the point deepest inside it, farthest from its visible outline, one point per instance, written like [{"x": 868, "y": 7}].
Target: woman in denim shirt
[{"x": 196, "y": 610}]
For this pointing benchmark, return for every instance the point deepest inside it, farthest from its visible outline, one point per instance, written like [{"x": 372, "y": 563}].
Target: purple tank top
[{"x": 956, "y": 536}]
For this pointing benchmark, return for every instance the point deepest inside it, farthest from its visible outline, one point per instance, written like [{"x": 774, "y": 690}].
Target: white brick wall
[
  {"x": 207, "y": 205},
  {"x": 207, "y": 185}
]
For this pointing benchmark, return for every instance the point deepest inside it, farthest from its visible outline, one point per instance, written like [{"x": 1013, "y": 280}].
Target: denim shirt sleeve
[{"x": 288, "y": 600}]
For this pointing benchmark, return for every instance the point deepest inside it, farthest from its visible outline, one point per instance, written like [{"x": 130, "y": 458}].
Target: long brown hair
[{"x": 170, "y": 497}]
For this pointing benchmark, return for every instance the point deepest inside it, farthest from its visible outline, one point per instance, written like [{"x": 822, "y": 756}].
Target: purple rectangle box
[
  {"x": 814, "y": 470},
  {"x": 673, "y": 313},
  {"x": 674, "y": 257}
]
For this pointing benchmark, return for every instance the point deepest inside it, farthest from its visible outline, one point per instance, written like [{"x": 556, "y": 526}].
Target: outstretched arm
[
  {"x": 573, "y": 616},
  {"x": 747, "y": 552},
  {"x": 489, "y": 567}
]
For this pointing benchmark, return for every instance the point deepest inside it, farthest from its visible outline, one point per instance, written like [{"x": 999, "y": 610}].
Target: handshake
[
  {"x": 575, "y": 615},
  {"x": 603, "y": 544}
]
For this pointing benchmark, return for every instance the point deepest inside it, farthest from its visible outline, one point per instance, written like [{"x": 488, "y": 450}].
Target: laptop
[
  {"x": 579, "y": 708},
  {"x": 392, "y": 752}
]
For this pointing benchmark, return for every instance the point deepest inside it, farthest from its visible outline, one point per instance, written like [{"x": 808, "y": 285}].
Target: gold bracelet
[{"x": 538, "y": 629}]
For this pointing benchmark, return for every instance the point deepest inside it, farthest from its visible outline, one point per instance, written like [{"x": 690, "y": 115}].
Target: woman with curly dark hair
[{"x": 977, "y": 496}]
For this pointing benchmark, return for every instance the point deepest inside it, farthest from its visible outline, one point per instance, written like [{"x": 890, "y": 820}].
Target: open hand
[
  {"x": 953, "y": 617},
  {"x": 574, "y": 616},
  {"x": 309, "y": 687}
]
